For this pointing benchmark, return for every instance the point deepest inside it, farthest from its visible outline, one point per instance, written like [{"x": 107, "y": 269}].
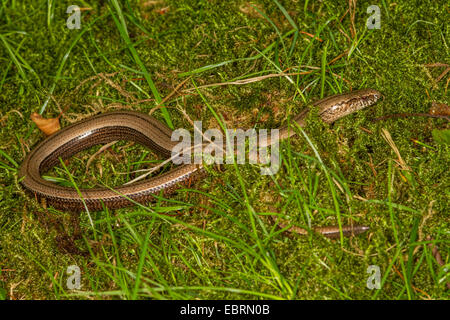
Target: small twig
[
  {"x": 366, "y": 130},
  {"x": 372, "y": 167},
  {"x": 342, "y": 18},
  {"x": 260, "y": 78},
  {"x": 173, "y": 92},
  {"x": 436, "y": 64},
  {"x": 338, "y": 57},
  {"x": 352, "y": 11},
  {"x": 406, "y": 115},
  {"x": 122, "y": 91},
  {"x": 346, "y": 35},
  {"x": 142, "y": 101},
  {"x": 103, "y": 148},
  {"x": 150, "y": 171},
  {"x": 437, "y": 256},
  {"x": 92, "y": 78},
  {"x": 442, "y": 75},
  {"x": 311, "y": 35}
]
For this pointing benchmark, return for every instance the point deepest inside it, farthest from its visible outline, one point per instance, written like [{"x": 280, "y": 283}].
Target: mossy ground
[{"x": 212, "y": 241}]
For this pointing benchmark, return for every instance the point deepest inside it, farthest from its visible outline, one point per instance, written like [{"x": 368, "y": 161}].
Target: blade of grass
[
  {"x": 8, "y": 157},
  {"x": 323, "y": 70},
  {"x": 122, "y": 27},
  {"x": 267, "y": 260},
  {"x": 330, "y": 183},
  {"x": 394, "y": 228},
  {"x": 142, "y": 257},
  {"x": 78, "y": 191},
  {"x": 13, "y": 56},
  {"x": 255, "y": 57},
  {"x": 65, "y": 57}
]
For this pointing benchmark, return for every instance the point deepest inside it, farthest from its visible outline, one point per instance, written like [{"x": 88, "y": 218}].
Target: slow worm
[{"x": 146, "y": 130}]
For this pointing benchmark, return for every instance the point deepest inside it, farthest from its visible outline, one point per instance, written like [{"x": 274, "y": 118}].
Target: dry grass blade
[
  {"x": 406, "y": 115},
  {"x": 173, "y": 92},
  {"x": 249, "y": 80},
  {"x": 352, "y": 11},
  {"x": 414, "y": 288},
  {"x": 267, "y": 76},
  {"x": 439, "y": 78},
  {"x": 100, "y": 75},
  {"x": 422, "y": 224},
  {"x": 387, "y": 136},
  {"x": 103, "y": 148}
]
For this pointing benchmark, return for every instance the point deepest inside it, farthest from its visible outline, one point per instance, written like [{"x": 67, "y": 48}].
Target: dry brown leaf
[{"x": 47, "y": 126}]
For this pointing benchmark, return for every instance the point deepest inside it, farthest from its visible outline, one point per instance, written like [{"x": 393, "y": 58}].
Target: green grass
[{"x": 212, "y": 240}]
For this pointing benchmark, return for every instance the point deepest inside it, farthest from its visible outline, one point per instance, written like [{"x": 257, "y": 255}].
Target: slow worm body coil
[{"x": 146, "y": 130}]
